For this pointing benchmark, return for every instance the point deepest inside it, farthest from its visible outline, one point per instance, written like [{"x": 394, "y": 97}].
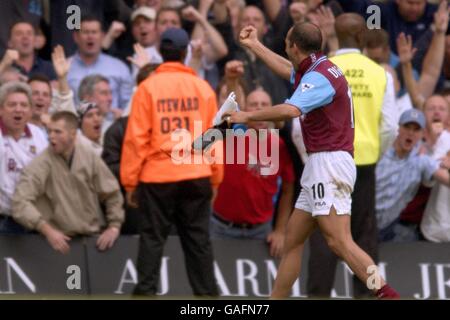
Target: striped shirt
[{"x": 397, "y": 182}]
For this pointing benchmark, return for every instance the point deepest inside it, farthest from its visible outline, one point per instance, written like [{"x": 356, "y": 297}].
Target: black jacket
[{"x": 112, "y": 145}]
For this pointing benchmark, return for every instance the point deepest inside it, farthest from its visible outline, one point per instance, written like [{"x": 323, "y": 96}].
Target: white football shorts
[{"x": 328, "y": 180}]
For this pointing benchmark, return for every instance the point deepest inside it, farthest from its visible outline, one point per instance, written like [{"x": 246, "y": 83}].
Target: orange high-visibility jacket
[{"x": 173, "y": 97}]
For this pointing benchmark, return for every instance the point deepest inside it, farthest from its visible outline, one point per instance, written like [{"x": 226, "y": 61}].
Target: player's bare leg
[
  {"x": 300, "y": 225},
  {"x": 336, "y": 231}
]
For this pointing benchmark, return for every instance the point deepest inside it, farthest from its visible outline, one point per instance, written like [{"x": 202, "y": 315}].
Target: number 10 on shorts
[{"x": 318, "y": 191}]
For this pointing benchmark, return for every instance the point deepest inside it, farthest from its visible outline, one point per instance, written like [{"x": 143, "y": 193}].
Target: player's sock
[{"x": 387, "y": 292}]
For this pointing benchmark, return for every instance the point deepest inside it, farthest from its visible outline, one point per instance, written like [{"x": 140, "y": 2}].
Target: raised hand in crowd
[
  {"x": 406, "y": 53},
  {"x": 9, "y": 58},
  {"x": 214, "y": 47},
  {"x": 141, "y": 57},
  {"x": 115, "y": 30},
  {"x": 191, "y": 14},
  {"x": 298, "y": 11},
  {"x": 62, "y": 67},
  {"x": 197, "y": 52},
  {"x": 405, "y": 48},
  {"x": 432, "y": 63},
  {"x": 107, "y": 238},
  {"x": 441, "y": 18},
  {"x": 234, "y": 71},
  {"x": 220, "y": 11},
  {"x": 326, "y": 20},
  {"x": 204, "y": 6}
]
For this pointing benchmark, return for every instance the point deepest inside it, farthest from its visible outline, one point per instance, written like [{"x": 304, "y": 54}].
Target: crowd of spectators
[{"x": 86, "y": 115}]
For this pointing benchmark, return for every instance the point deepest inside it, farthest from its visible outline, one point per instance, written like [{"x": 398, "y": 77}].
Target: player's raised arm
[{"x": 281, "y": 66}]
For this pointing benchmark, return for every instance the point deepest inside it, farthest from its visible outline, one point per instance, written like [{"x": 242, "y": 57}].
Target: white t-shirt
[
  {"x": 435, "y": 223},
  {"x": 14, "y": 157}
]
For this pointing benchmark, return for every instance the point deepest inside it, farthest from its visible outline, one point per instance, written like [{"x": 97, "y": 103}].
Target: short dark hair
[
  {"x": 171, "y": 53},
  {"x": 376, "y": 38},
  {"x": 90, "y": 18},
  {"x": 69, "y": 118},
  {"x": 40, "y": 78},
  {"x": 167, "y": 9},
  {"x": 307, "y": 37},
  {"x": 350, "y": 30},
  {"x": 20, "y": 21},
  {"x": 444, "y": 92}
]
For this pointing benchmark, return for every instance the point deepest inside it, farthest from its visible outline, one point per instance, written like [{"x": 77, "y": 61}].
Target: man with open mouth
[
  {"x": 61, "y": 191},
  {"x": 20, "y": 142},
  {"x": 22, "y": 39},
  {"x": 399, "y": 174},
  {"x": 89, "y": 59},
  {"x": 90, "y": 122}
]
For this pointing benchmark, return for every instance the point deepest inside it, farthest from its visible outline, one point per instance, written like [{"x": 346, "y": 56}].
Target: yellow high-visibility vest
[{"x": 367, "y": 81}]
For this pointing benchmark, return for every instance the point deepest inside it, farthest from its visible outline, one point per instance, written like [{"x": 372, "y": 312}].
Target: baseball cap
[
  {"x": 84, "y": 107},
  {"x": 413, "y": 116},
  {"x": 175, "y": 36},
  {"x": 145, "y": 12}
]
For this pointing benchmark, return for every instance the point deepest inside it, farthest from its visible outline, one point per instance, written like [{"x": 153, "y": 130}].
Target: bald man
[{"x": 322, "y": 99}]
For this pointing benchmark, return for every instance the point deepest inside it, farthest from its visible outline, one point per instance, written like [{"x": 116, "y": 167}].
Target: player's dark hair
[{"x": 307, "y": 37}]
